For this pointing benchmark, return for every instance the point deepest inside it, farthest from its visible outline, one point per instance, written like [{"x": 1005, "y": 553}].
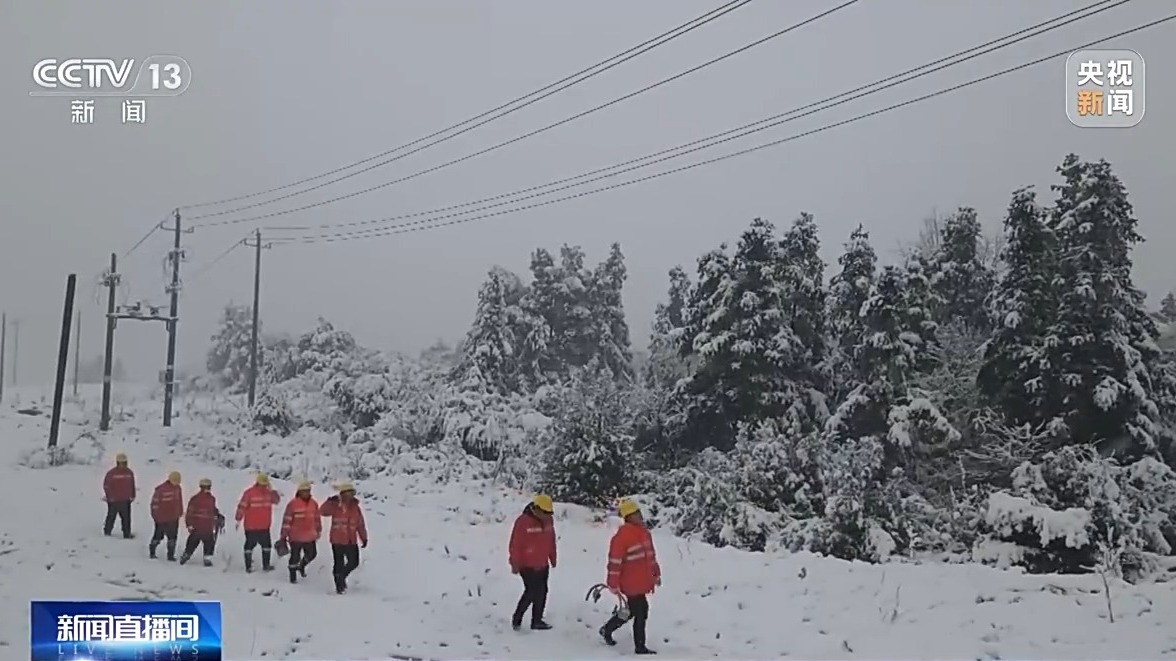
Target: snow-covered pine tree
[
  {"x": 607, "y": 314},
  {"x": 577, "y": 341},
  {"x": 228, "y": 358},
  {"x": 1103, "y": 340},
  {"x": 665, "y": 365},
  {"x": 803, "y": 277},
  {"x": 543, "y": 302},
  {"x": 884, "y": 421},
  {"x": 1023, "y": 304},
  {"x": 589, "y": 459},
  {"x": 752, "y": 365},
  {"x": 960, "y": 279},
  {"x": 489, "y": 356},
  {"x": 1168, "y": 308},
  {"x": 849, "y": 290}
]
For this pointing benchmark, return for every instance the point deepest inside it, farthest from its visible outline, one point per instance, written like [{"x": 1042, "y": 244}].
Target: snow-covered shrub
[
  {"x": 228, "y": 359},
  {"x": 272, "y": 413},
  {"x": 361, "y": 399},
  {"x": 325, "y": 350},
  {"x": 85, "y": 450},
  {"x": 863, "y": 512},
  {"x": 1072, "y": 507},
  {"x": 589, "y": 451},
  {"x": 776, "y": 471}
]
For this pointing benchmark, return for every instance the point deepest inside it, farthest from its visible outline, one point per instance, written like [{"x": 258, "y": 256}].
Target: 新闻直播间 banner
[{"x": 125, "y": 630}]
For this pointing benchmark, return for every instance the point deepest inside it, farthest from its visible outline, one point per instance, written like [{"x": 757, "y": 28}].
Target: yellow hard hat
[
  {"x": 120, "y": 458},
  {"x": 543, "y": 503},
  {"x": 174, "y": 477},
  {"x": 263, "y": 479},
  {"x": 345, "y": 486},
  {"x": 627, "y": 508},
  {"x": 304, "y": 485},
  {"x": 205, "y": 483}
]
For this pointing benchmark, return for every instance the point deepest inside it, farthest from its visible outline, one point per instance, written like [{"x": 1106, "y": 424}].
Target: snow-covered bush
[
  {"x": 1072, "y": 506},
  {"x": 272, "y": 413},
  {"x": 228, "y": 359},
  {"x": 85, "y": 450},
  {"x": 589, "y": 451},
  {"x": 361, "y": 399}
]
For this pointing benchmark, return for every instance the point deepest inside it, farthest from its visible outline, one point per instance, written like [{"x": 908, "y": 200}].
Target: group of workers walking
[
  {"x": 633, "y": 571},
  {"x": 300, "y": 530}
]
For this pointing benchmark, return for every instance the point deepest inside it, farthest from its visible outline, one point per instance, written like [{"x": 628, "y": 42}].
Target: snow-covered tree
[
  {"x": 589, "y": 458},
  {"x": 229, "y": 356},
  {"x": 752, "y": 364},
  {"x": 1023, "y": 306},
  {"x": 606, "y": 306},
  {"x": 1102, "y": 342},
  {"x": 325, "y": 349},
  {"x": 802, "y": 273},
  {"x": 490, "y": 353},
  {"x": 1168, "y": 308},
  {"x": 849, "y": 289},
  {"x": 960, "y": 279},
  {"x": 665, "y": 365}
]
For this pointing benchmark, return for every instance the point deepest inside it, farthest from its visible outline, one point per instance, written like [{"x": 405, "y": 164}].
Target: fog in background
[{"x": 283, "y": 91}]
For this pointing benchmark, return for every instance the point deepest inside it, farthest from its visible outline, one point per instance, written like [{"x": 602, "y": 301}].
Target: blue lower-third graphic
[{"x": 125, "y": 630}]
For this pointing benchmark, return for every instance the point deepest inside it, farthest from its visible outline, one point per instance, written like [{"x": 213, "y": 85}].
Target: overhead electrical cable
[
  {"x": 529, "y": 134},
  {"x": 351, "y": 236},
  {"x": 730, "y": 135},
  {"x": 523, "y": 101}
]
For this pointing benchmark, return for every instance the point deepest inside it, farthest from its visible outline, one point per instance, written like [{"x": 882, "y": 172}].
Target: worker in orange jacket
[
  {"x": 532, "y": 556},
  {"x": 256, "y": 512},
  {"x": 633, "y": 574}
]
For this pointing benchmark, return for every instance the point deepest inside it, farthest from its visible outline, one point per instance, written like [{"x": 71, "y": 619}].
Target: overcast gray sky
[{"x": 283, "y": 91}]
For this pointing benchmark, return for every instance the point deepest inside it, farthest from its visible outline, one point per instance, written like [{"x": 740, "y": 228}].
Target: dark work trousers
[
  {"x": 534, "y": 595},
  {"x": 195, "y": 539},
  {"x": 346, "y": 558},
  {"x": 121, "y": 510},
  {"x": 301, "y": 555},
  {"x": 169, "y": 530},
  {"x": 639, "y": 614},
  {"x": 258, "y": 538}
]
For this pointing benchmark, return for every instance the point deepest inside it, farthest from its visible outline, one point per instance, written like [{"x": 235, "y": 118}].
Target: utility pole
[
  {"x": 110, "y": 279},
  {"x": 15, "y": 348},
  {"x": 175, "y": 256},
  {"x": 62, "y": 359},
  {"x": 3, "y": 342},
  {"x": 77, "y": 350},
  {"x": 253, "y": 367}
]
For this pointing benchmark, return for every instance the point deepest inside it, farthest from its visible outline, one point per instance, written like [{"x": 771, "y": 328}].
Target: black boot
[
  {"x": 151, "y": 550},
  {"x": 207, "y": 561},
  {"x": 340, "y": 584},
  {"x": 184, "y": 559},
  {"x": 265, "y": 560},
  {"x": 302, "y": 569},
  {"x": 540, "y": 625},
  {"x": 171, "y": 551},
  {"x": 248, "y": 562},
  {"x": 644, "y": 650},
  {"x": 293, "y": 575},
  {"x": 606, "y": 632}
]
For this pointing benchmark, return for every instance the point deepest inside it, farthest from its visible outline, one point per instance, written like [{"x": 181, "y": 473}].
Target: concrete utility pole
[
  {"x": 176, "y": 256},
  {"x": 110, "y": 279},
  {"x": 77, "y": 350},
  {"x": 15, "y": 349},
  {"x": 3, "y": 342},
  {"x": 253, "y": 367},
  {"x": 62, "y": 359}
]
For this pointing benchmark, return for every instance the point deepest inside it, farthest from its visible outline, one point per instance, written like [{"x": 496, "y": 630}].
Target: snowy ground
[{"x": 434, "y": 581}]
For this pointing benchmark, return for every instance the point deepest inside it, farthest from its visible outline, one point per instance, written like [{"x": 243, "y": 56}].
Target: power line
[
  {"x": 213, "y": 262},
  {"x": 558, "y": 86},
  {"x": 732, "y": 134},
  {"x": 524, "y": 136},
  {"x": 346, "y": 236},
  {"x": 146, "y": 236}
]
